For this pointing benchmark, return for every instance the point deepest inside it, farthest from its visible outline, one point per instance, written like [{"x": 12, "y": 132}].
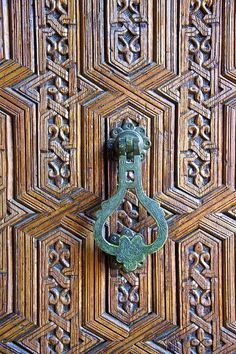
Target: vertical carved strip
[
  {"x": 59, "y": 329},
  {"x": 198, "y": 97},
  {"x": 59, "y": 297},
  {"x": 200, "y": 268},
  {"x": 58, "y": 89},
  {"x": 129, "y": 291},
  {"x": 128, "y": 34},
  {"x": 200, "y": 295},
  {"x": 60, "y": 288},
  {"x": 200, "y": 306}
]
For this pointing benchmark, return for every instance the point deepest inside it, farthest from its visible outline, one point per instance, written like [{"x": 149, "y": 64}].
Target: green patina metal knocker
[{"x": 130, "y": 145}]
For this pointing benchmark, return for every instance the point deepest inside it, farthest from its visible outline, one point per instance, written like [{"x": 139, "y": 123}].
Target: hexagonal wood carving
[{"x": 70, "y": 72}]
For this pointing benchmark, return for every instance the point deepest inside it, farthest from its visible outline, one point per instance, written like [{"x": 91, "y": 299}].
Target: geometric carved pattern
[
  {"x": 128, "y": 34},
  {"x": 199, "y": 92},
  {"x": 200, "y": 278},
  {"x": 201, "y": 297},
  {"x": 128, "y": 290},
  {"x": 11, "y": 212},
  {"x": 135, "y": 41},
  {"x": 58, "y": 87},
  {"x": 166, "y": 65},
  {"x": 201, "y": 283},
  {"x": 199, "y": 116},
  {"x": 59, "y": 301},
  {"x": 58, "y": 90},
  {"x": 59, "y": 289},
  {"x": 60, "y": 294}
]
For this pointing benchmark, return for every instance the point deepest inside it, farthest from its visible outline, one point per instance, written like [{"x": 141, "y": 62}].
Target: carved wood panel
[{"x": 71, "y": 71}]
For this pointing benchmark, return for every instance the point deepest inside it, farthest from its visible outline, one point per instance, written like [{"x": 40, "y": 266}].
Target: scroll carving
[
  {"x": 59, "y": 297},
  {"x": 199, "y": 90},
  {"x": 59, "y": 294},
  {"x": 201, "y": 297},
  {"x": 200, "y": 115},
  {"x": 199, "y": 328},
  {"x": 128, "y": 40},
  {"x": 128, "y": 34},
  {"x": 57, "y": 89}
]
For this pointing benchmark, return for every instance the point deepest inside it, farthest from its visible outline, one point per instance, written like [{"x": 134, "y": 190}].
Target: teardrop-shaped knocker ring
[{"x": 130, "y": 145}]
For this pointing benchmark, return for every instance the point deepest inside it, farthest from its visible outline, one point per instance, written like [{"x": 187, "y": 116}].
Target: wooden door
[{"x": 70, "y": 71}]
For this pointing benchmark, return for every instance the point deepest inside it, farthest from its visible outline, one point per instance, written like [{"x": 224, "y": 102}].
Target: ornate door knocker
[{"x": 130, "y": 145}]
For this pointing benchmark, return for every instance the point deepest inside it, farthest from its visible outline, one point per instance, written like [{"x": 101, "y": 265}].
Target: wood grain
[{"x": 70, "y": 71}]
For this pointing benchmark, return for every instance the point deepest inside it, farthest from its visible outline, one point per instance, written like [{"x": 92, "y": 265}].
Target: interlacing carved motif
[
  {"x": 127, "y": 215},
  {"x": 59, "y": 297},
  {"x": 128, "y": 26},
  {"x": 58, "y": 93},
  {"x": 60, "y": 328},
  {"x": 200, "y": 298},
  {"x": 200, "y": 120},
  {"x": 58, "y": 130},
  {"x": 199, "y": 136},
  {"x": 129, "y": 18},
  {"x": 59, "y": 90},
  {"x": 128, "y": 293},
  {"x": 200, "y": 89},
  {"x": 58, "y": 341},
  {"x": 199, "y": 331},
  {"x": 130, "y": 305}
]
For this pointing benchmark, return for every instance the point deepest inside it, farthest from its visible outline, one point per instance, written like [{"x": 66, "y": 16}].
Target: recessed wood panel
[{"x": 70, "y": 72}]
